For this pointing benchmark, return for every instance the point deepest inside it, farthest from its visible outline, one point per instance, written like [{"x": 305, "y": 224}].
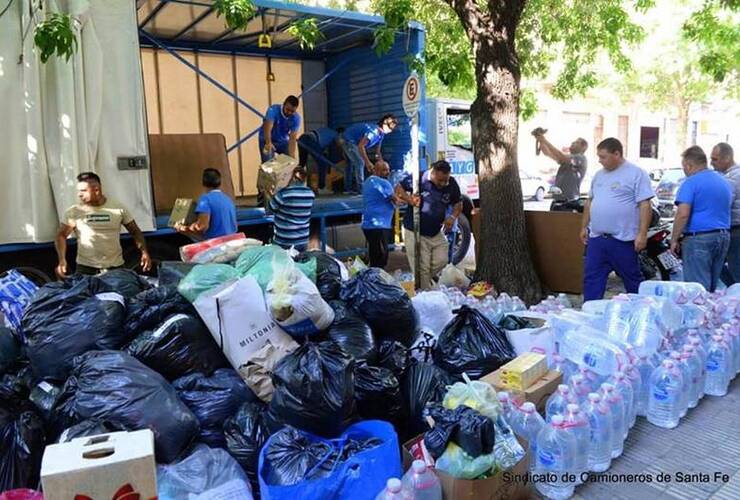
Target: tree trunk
[
  {"x": 503, "y": 256},
  {"x": 682, "y": 124}
]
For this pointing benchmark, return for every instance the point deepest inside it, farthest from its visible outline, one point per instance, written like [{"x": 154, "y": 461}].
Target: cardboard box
[
  {"x": 115, "y": 466},
  {"x": 502, "y": 486},
  {"x": 524, "y": 370},
  {"x": 537, "y": 393},
  {"x": 183, "y": 212}
]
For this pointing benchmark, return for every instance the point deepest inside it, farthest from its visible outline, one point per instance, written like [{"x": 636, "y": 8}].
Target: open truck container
[{"x": 200, "y": 78}]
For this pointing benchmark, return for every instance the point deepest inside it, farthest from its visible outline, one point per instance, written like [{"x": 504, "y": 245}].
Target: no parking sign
[{"x": 412, "y": 95}]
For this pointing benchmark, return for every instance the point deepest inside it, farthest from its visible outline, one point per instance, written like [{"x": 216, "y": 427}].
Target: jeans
[
  {"x": 377, "y": 246},
  {"x": 432, "y": 256},
  {"x": 308, "y": 145},
  {"x": 355, "y": 167},
  {"x": 604, "y": 255},
  {"x": 731, "y": 271},
  {"x": 703, "y": 257}
]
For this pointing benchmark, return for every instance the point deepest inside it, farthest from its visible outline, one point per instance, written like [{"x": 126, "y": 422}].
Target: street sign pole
[{"x": 411, "y": 104}]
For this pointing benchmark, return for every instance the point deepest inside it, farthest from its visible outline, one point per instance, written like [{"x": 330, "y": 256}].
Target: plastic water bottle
[
  {"x": 422, "y": 482},
  {"x": 616, "y": 409},
  {"x": 698, "y": 346},
  {"x": 507, "y": 406},
  {"x": 635, "y": 380},
  {"x": 624, "y": 388},
  {"x": 593, "y": 379},
  {"x": 717, "y": 366},
  {"x": 577, "y": 424},
  {"x": 579, "y": 387},
  {"x": 564, "y": 301},
  {"x": 671, "y": 289},
  {"x": 665, "y": 394},
  {"x": 586, "y": 347},
  {"x": 394, "y": 490},
  {"x": 600, "y": 437},
  {"x": 528, "y": 425},
  {"x": 645, "y": 368},
  {"x": 733, "y": 290},
  {"x": 518, "y": 304},
  {"x": 505, "y": 302},
  {"x": 556, "y": 450},
  {"x": 562, "y": 365},
  {"x": 692, "y": 360},
  {"x": 617, "y": 312},
  {"x": 686, "y": 377},
  {"x": 644, "y": 331},
  {"x": 558, "y": 401}
]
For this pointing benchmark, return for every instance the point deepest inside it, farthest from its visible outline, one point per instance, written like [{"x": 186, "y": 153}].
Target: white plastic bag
[
  {"x": 296, "y": 304},
  {"x": 539, "y": 340},
  {"x": 435, "y": 311},
  {"x": 453, "y": 276}
]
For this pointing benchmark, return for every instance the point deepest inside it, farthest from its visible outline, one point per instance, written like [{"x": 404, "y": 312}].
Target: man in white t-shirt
[{"x": 96, "y": 222}]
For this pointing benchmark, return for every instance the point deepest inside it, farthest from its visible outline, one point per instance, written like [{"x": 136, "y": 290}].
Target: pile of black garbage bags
[{"x": 114, "y": 352}]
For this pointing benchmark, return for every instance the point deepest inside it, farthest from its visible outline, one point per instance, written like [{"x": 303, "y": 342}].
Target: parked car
[
  {"x": 533, "y": 186},
  {"x": 666, "y": 191}
]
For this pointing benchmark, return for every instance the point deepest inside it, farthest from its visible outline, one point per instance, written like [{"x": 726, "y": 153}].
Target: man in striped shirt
[{"x": 291, "y": 207}]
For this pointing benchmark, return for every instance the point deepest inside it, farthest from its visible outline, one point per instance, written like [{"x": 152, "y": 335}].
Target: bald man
[{"x": 378, "y": 200}]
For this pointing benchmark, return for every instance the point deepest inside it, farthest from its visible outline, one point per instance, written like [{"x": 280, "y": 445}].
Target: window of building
[{"x": 649, "y": 137}]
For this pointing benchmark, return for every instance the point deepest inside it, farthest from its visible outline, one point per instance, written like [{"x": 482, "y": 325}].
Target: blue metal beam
[{"x": 200, "y": 72}]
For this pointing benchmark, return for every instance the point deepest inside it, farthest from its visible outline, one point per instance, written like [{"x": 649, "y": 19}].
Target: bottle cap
[
  {"x": 668, "y": 363},
  {"x": 594, "y": 397},
  {"x": 419, "y": 466},
  {"x": 619, "y": 376},
  {"x": 503, "y": 396},
  {"x": 528, "y": 407},
  {"x": 563, "y": 388},
  {"x": 607, "y": 387},
  {"x": 675, "y": 355},
  {"x": 393, "y": 485},
  {"x": 573, "y": 408}
]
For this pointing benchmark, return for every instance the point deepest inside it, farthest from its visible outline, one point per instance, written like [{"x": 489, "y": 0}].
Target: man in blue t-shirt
[
  {"x": 324, "y": 145},
  {"x": 279, "y": 129},
  {"x": 216, "y": 211},
  {"x": 440, "y": 204},
  {"x": 704, "y": 203},
  {"x": 378, "y": 202},
  {"x": 356, "y": 140}
]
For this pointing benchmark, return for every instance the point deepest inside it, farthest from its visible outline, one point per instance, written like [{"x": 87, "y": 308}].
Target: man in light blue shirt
[
  {"x": 279, "y": 130},
  {"x": 357, "y": 139},
  {"x": 615, "y": 221},
  {"x": 704, "y": 203},
  {"x": 723, "y": 161},
  {"x": 215, "y": 210},
  {"x": 377, "y": 215}
]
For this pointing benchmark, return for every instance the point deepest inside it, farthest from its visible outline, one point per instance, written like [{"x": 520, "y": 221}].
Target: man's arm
[
  {"x": 197, "y": 228},
  {"x": 585, "y": 221},
  {"x": 551, "y": 151},
  {"x": 293, "y": 143},
  {"x": 646, "y": 213},
  {"x": 361, "y": 146},
  {"x": 456, "y": 211},
  {"x": 683, "y": 212},
  {"x": 138, "y": 236},
  {"x": 378, "y": 153},
  {"x": 405, "y": 197},
  {"x": 60, "y": 243},
  {"x": 267, "y": 134}
]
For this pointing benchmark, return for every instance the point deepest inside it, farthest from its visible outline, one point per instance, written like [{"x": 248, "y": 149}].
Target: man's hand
[
  {"x": 180, "y": 227},
  {"x": 584, "y": 236},
  {"x": 640, "y": 242},
  {"x": 449, "y": 221},
  {"x": 676, "y": 247},
  {"x": 539, "y": 132},
  {"x": 269, "y": 148},
  {"x": 146, "y": 261},
  {"x": 415, "y": 200},
  {"x": 61, "y": 270}
]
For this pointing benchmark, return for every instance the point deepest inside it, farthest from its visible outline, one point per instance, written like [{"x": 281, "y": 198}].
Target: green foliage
[
  {"x": 55, "y": 35},
  {"x": 237, "y": 13},
  {"x": 528, "y": 106},
  {"x": 715, "y": 31},
  {"x": 306, "y": 31}
]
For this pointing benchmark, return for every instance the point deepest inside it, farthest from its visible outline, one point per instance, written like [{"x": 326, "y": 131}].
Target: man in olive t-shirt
[{"x": 96, "y": 222}]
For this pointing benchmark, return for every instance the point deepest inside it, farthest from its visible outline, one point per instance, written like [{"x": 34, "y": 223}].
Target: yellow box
[{"x": 524, "y": 370}]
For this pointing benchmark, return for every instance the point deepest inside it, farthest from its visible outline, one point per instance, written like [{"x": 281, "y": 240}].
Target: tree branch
[{"x": 474, "y": 20}]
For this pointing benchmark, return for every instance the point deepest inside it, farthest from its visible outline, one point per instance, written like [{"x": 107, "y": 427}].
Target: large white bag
[
  {"x": 296, "y": 304},
  {"x": 435, "y": 311},
  {"x": 236, "y": 315},
  {"x": 539, "y": 340},
  {"x": 453, "y": 276}
]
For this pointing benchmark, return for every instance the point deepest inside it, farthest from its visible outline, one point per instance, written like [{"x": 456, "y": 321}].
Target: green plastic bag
[
  {"x": 205, "y": 277},
  {"x": 262, "y": 263}
]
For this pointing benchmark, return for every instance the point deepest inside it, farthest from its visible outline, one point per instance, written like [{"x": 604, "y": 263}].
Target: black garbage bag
[
  {"x": 246, "y": 432},
  {"x": 172, "y": 271},
  {"x": 213, "y": 399},
  {"x": 393, "y": 356},
  {"x": 44, "y": 396},
  {"x": 352, "y": 333},
  {"x": 69, "y": 290},
  {"x": 314, "y": 388},
  {"x": 10, "y": 349},
  {"x": 510, "y": 322},
  {"x": 378, "y": 394},
  {"x": 328, "y": 273},
  {"x": 22, "y": 441},
  {"x": 471, "y": 344},
  {"x": 113, "y": 386},
  {"x": 470, "y": 430},
  {"x": 376, "y": 296},
  {"x": 423, "y": 383},
  {"x": 124, "y": 281},
  {"x": 293, "y": 458},
  {"x": 180, "y": 346},
  {"x": 59, "y": 328},
  {"x": 88, "y": 428},
  {"x": 148, "y": 309},
  {"x": 13, "y": 390}
]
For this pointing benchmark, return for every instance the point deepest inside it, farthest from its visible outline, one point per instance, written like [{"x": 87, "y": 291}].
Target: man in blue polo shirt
[
  {"x": 440, "y": 204},
  {"x": 704, "y": 203},
  {"x": 377, "y": 215},
  {"x": 357, "y": 139},
  {"x": 216, "y": 211},
  {"x": 279, "y": 129}
]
